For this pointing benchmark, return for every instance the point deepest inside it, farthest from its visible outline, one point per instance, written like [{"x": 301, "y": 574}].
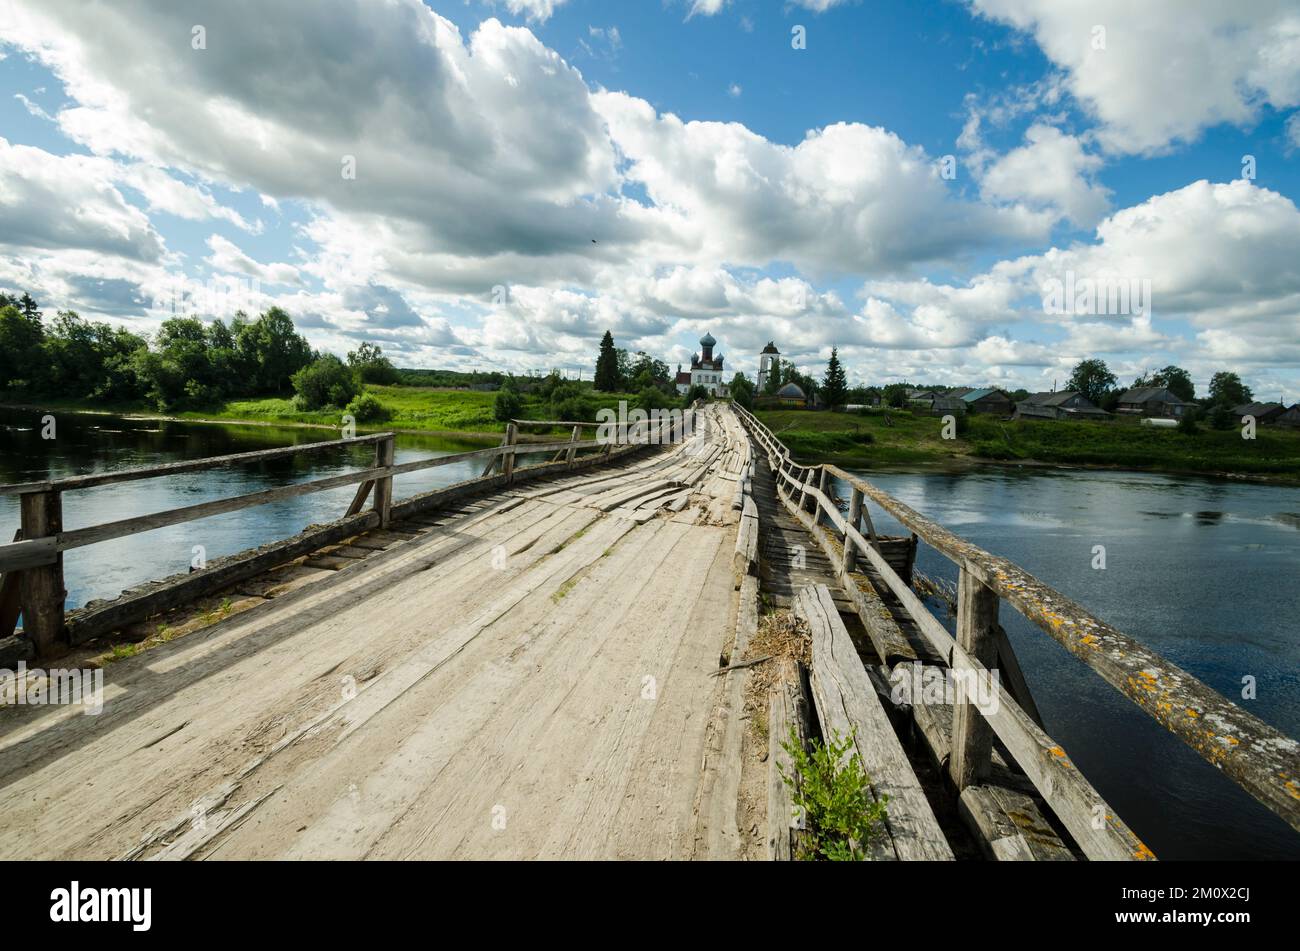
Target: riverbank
[
  {"x": 416, "y": 411},
  {"x": 895, "y": 438}
]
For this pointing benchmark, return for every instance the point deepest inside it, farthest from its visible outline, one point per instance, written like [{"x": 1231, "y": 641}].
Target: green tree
[
  {"x": 508, "y": 405},
  {"x": 1226, "y": 389},
  {"x": 23, "y": 363},
  {"x": 742, "y": 391},
  {"x": 834, "y": 385},
  {"x": 895, "y": 394},
  {"x": 607, "y": 375},
  {"x": 1093, "y": 379},
  {"x": 1174, "y": 379},
  {"x": 326, "y": 382},
  {"x": 371, "y": 366},
  {"x": 273, "y": 351}
]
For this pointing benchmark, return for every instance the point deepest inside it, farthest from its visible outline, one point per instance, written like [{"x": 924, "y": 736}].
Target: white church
[{"x": 705, "y": 371}]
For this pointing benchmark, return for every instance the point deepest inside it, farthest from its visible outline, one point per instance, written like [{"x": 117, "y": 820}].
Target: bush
[
  {"x": 367, "y": 409},
  {"x": 1187, "y": 424},
  {"x": 326, "y": 382},
  {"x": 1222, "y": 417},
  {"x": 833, "y": 791},
  {"x": 508, "y": 405}
]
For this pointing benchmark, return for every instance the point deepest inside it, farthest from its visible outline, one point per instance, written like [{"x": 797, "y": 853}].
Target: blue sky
[{"x": 530, "y": 173}]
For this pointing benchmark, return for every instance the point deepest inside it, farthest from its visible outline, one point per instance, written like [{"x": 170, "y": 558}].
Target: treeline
[{"x": 187, "y": 364}]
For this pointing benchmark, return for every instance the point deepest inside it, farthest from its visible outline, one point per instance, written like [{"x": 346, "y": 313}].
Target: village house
[
  {"x": 993, "y": 402},
  {"x": 1263, "y": 412},
  {"x": 1067, "y": 404},
  {"x": 946, "y": 404},
  {"x": 1152, "y": 402},
  {"x": 1291, "y": 417}
]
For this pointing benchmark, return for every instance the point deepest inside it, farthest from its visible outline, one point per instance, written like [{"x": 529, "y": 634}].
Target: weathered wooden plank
[
  {"x": 1009, "y": 826},
  {"x": 189, "y": 513},
  {"x": 847, "y": 705},
  {"x": 99, "y": 618},
  {"x": 972, "y": 739},
  {"x": 33, "y": 553},
  {"x": 176, "y": 468},
  {"x": 787, "y": 710},
  {"x": 385, "y": 451}
]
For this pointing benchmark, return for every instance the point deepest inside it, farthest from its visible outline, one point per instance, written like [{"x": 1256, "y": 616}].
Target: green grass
[
  {"x": 894, "y": 437},
  {"x": 428, "y": 409}
]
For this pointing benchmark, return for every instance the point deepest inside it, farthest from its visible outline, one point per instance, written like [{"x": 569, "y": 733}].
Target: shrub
[
  {"x": 833, "y": 791},
  {"x": 508, "y": 405},
  {"x": 366, "y": 408},
  {"x": 326, "y": 382}
]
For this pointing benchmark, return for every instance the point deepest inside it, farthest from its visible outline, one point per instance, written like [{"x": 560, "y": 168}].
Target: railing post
[
  {"x": 855, "y": 518},
  {"x": 573, "y": 452},
  {"x": 41, "y": 589},
  {"x": 385, "y": 453},
  {"x": 977, "y": 623},
  {"x": 823, "y": 481},
  {"x": 508, "y": 460}
]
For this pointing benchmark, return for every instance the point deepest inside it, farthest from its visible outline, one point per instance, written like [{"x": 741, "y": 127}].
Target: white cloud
[
  {"x": 1169, "y": 68},
  {"x": 50, "y": 202},
  {"x": 227, "y": 259},
  {"x": 534, "y": 10},
  {"x": 1051, "y": 170}
]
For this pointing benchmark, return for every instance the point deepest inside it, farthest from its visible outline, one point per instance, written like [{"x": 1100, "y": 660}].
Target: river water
[
  {"x": 1206, "y": 572},
  {"x": 95, "y": 443}
]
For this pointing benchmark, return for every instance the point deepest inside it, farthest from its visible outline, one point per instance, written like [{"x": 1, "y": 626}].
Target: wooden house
[
  {"x": 1067, "y": 404},
  {"x": 1152, "y": 402},
  {"x": 1263, "y": 412},
  {"x": 990, "y": 401}
]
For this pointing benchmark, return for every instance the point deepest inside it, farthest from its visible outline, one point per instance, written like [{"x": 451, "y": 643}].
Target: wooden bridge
[{"x": 574, "y": 658}]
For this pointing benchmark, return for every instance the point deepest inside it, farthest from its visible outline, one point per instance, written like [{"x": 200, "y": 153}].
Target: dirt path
[{"x": 531, "y": 680}]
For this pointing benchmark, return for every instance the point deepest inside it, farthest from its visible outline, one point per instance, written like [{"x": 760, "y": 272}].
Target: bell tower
[{"x": 766, "y": 364}]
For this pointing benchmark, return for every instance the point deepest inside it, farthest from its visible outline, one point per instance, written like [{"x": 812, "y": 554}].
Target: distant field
[{"x": 894, "y": 437}]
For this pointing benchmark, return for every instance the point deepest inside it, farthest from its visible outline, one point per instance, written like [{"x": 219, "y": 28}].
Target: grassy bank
[
  {"x": 894, "y": 437},
  {"x": 423, "y": 409}
]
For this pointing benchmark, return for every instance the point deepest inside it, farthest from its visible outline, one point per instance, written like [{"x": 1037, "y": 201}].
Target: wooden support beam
[
  {"x": 855, "y": 519},
  {"x": 359, "y": 500},
  {"x": 508, "y": 460},
  {"x": 573, "y": 450},
  {"x": 42, "y": 591},
  {"x": 10, "y": 606},
  {"x": 385, "y": 454},
  {"x": 977, "y": 623}
]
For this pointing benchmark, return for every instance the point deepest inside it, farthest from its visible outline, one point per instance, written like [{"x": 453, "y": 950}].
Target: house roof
[
  {"x": 947, "y": 402},
  {"x": 1257, "y": 409},
  {"x": 960, "y": 391},
  {"x": 1055, "y": 398},
  {"x": 974, "y": 395},
  {"x": 1145, "y": 394}
]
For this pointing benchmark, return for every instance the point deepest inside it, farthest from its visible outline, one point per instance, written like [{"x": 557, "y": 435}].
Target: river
[{"x": 1203, "y": 571}]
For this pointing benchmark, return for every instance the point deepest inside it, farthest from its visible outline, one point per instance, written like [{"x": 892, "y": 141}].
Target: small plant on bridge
[{"x": 833, "y": 792}]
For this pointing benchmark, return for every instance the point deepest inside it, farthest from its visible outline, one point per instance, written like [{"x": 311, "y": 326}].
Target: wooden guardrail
[
  {"x": 1258, "y": 758},
  {"x": 35, "y": 558}
]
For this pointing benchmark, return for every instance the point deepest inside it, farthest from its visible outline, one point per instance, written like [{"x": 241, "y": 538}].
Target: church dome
[
  {"x": 707, "y": 340},
  {"x": 791, "y": 391}
]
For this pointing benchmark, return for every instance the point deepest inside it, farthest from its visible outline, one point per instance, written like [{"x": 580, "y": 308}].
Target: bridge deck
[{"x": 527, "y": 678}]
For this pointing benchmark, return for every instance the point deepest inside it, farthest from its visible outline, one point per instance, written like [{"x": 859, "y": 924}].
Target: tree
[
  {"x": 1093, "y": 379},
  {"x": 22, "y": 360},
  {"x": 273, "y": 351},
  {"x": 371, "y": 366},
  {"x": 508, "y": 406},
  {"x": 1177, "y": 381},
  {"x": 895, "y": 394},
  {"x": 607, "y": 377},
  {"x": 742, "y": 391},
  {"x": 834, "y": 385},
  {"x": 1226, "y": 389},
  {"x": 324, "y": 383}
]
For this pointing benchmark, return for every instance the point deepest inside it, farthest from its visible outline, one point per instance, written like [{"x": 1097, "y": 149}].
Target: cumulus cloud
[
  {"x": 52, "y": 201},
  {"x": 1168, "y": 68},
  {"x": 1051, "y": 170}
]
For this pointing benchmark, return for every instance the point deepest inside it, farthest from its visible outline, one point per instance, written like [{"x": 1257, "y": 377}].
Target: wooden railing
[
  {"x": 32, "y": 565},
  {"x": 1257, "y": 757}
]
